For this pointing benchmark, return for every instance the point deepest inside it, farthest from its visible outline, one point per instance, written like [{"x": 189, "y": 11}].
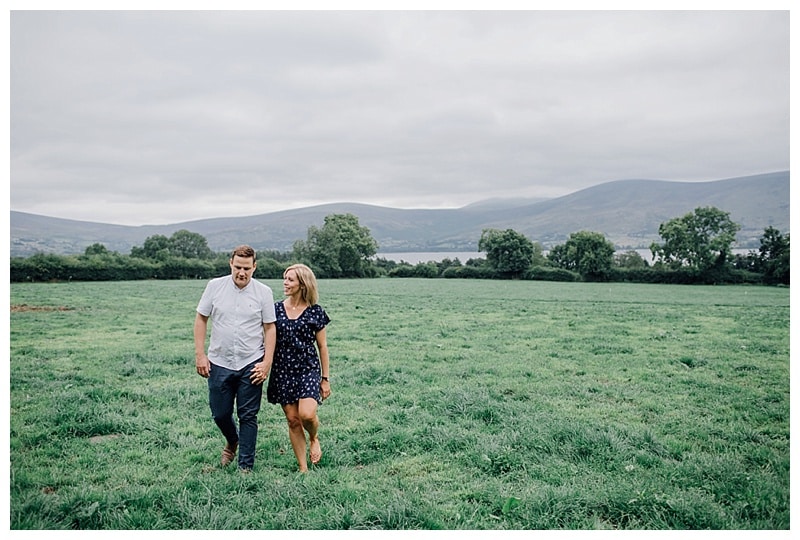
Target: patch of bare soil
[{"x": 15, "y": 308}]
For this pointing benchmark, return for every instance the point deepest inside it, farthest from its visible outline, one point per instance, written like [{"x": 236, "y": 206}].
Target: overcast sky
[{"x": 154, "y": 117}]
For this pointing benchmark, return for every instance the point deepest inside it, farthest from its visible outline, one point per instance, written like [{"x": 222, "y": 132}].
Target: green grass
[{"x": 457, "y": 404}]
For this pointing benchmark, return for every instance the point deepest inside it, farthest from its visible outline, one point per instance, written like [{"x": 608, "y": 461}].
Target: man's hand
[
  {"x": 260, "y": 372},
  {"x": 203, "y": 365}
]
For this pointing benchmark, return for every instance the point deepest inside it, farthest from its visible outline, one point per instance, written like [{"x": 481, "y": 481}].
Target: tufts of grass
[{"x": 456, "y": 405}]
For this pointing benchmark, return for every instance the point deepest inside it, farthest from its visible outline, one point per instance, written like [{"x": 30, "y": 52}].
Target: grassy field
[{"x": 456, "y": 405}]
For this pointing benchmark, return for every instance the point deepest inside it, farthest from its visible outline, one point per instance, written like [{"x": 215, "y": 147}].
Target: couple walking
[{"x": 254, "y": 338}]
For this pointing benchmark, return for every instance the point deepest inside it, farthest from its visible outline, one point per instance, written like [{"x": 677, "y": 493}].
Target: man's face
[{"x": 242, "y": 269}]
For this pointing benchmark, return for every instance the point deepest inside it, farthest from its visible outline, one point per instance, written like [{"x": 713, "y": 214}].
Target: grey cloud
[{"x": 154, "y": 117}]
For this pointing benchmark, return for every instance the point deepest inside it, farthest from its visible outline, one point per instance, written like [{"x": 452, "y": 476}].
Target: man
[{"x": 240, "y": 351}]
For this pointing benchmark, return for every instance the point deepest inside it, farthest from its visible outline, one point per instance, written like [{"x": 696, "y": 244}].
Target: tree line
[
  {"x": 695, "y": 248},
  {"x": 340, "y": 248}
]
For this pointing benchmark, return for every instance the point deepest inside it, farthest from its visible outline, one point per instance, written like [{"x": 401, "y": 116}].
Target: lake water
[{"x": 416, "y": 257}]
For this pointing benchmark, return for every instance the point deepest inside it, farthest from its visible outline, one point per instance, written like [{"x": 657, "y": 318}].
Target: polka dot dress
[{"x": 295, "y": 366}]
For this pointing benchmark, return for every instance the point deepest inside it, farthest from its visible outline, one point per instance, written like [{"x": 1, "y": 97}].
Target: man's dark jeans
[{"x": 226, "y": 386}]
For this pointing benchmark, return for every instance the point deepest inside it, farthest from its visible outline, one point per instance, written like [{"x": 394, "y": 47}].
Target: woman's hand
[
  {"x": 260, "y": 372},
  {"x": 325, "y": 389}
]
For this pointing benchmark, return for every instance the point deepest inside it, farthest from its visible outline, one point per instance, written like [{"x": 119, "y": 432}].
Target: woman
[{"x": 299, "y": 377}]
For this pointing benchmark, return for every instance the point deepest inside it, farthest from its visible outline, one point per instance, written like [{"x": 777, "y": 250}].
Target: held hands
[{"x": 260, "y": 372}]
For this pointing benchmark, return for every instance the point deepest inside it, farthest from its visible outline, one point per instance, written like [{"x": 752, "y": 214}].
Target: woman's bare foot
[{"x": 316, "y": 451}]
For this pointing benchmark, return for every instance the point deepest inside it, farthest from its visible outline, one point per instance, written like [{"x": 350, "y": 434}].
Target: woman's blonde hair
[{"x": 308, "y": 282}]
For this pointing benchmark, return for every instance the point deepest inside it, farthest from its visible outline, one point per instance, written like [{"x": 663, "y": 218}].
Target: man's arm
[
  {"x": 270, "y": 338},
  {"x": 261, "y": 370},
  {"x": 200, "y": 358}
]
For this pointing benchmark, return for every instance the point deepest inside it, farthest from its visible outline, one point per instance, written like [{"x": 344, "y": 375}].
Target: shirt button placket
[{"x": 236, "y": 324}]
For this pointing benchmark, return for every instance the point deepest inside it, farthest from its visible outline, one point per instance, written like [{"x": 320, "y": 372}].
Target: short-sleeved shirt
[{"x": 237, "y": 320}]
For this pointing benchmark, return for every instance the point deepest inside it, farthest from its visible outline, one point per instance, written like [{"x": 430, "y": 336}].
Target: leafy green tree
[
  {"x": 182, "y": 244},
  {"x": 340, "y": 248},
  {"x": 39, "y": 267},
  {"x": 507, "y": 252},
  {"x": 629, "y": 259},
  {"x": 156, "y": 248},
  {"x": 268, "y": 268},
  {"x": 96, "y": 249},
  {"x": 588, "y": 253},
  {"x": 701, "y": 239},
  {"x": 539, "y": 258},
  {"x": 446, "y": 263},
  {"x": 189, "y": 245},
  {"x": 426, "y": 270},
  {"x": 773, "y": 256}
]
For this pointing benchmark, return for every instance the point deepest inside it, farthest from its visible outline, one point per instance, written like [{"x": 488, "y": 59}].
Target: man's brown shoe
[{"x": 228, "y": 454}]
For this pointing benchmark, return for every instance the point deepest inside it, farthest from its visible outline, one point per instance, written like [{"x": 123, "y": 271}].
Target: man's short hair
[{"x": 244, "y": 251}]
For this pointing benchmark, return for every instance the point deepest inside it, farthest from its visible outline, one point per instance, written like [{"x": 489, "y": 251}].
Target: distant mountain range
[{"x": 627, "y": 212}]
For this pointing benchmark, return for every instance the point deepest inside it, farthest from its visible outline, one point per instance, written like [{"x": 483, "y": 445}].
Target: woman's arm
[{"x": 324, "y": 360}]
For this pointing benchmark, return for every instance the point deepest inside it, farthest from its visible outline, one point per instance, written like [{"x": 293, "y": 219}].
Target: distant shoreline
[{"x": 416, "y": 257}]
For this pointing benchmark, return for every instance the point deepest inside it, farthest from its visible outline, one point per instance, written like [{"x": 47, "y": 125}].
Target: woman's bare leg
[
  {"x": 296, "y": 434},
  {"x": 308, "y": 414}
]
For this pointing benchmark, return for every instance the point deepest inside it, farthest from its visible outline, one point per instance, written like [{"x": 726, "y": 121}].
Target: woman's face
[{"x": 291, "y": 285}]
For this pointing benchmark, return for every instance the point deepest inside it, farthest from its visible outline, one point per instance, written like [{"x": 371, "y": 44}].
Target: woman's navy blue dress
[{"x": 296, "y": 369}]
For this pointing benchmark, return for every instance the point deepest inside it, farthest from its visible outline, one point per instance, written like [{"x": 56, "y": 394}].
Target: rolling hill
[{"x": 628, "y": 212}]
